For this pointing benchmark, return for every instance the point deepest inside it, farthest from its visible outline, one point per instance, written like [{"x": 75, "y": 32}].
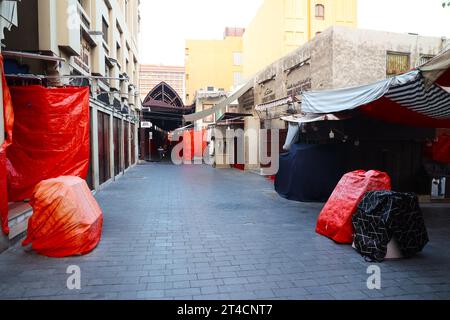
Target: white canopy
[
  {"x": 351, "y": 98},
  {"x": 222, "y": 105}
]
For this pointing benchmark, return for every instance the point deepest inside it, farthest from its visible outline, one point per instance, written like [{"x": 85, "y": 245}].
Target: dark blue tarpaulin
[{"x": 309, "y": 173}]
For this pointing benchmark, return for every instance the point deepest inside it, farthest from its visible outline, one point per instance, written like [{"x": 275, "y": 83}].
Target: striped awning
[
  {"x": 433, "y": 102},
  {"x": 414, "y": 98}
]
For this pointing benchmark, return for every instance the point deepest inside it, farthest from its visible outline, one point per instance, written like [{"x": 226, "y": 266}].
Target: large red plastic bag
[
  {"x": 66, "y": 219},
  {"x": 51, "y": 137},
  {"x": 8, "y": 118},
  {"x": 335, "y": 220}
]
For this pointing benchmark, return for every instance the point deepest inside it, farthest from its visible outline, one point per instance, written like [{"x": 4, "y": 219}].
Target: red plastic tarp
[
  {"x": 188, "y": 145},
  {"x": 51, "y": 137},
  {"x": 441, "y": 149},
  {"x": 194, "y": 144},
  {"x": 8, "y": 118},
  {"x": 66, "y": 219},
  {"x": 335, "y": 220}
]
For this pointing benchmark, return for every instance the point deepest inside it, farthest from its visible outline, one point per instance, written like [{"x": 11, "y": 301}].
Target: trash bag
[
  {"x": 383, "y": 215},
  {"x": 335, "y": 220},
  {"x": 8, "y": 119},
  {"x": 51, "y": 137},
  {"x": 66, "y": 219}
]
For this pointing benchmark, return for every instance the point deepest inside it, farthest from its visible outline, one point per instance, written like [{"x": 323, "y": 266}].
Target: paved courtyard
[{"x": 194, "y": 232}]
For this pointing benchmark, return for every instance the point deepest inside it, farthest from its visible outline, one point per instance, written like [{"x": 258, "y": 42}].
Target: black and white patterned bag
[{"x": 383, "y": 215}]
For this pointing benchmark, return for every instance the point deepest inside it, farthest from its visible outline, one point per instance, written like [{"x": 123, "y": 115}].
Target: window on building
[
  {"x": 320, "y": 11},
  {"x": 397, "y": 63},
  {"x": 237, "y": 78},
  {"x": 83, "y": 61},
  {"x": 119, "y": 54},
  {"x": 237, "y": 58},
  {"x": 105, "y": 30}
]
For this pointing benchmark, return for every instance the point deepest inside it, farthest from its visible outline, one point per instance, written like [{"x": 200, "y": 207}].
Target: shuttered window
[{"x": 397, "y": 63}]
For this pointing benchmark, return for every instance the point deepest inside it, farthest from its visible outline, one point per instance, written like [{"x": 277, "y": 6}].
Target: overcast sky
[{"x": 166, "y": 24}]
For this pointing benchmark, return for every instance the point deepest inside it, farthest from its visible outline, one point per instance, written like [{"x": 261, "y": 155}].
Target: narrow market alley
[{"x": 193, "y": 232}]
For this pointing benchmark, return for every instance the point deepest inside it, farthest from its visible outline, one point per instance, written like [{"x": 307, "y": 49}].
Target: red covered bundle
[
  {"x": 335, "y": 220},
  {"x": 66, "y": 219}
]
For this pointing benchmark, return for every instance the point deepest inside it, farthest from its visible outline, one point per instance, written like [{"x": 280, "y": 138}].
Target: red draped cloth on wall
[
  {"x": 51, "y": 137},
  {"x": 8, "y": 115}
]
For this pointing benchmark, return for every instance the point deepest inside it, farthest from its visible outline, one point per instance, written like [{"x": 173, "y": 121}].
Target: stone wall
[
  {"x": 359, "y": 56},
  {"x": 337, "y": 58}
]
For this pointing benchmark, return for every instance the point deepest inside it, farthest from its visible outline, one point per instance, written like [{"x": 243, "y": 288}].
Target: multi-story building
[
  {"x": 278, "y": 28},
  {"x": 82, "y": 43},
  {"x": 281, "y": 26},
  {"x": 89, "y": 42},
  {"x": 94, "y": 37},
  {"x": 153, "y": 75},
  {"x": 214, "y": 63}
]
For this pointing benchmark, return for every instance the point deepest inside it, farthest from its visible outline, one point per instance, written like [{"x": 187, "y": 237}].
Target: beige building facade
[
  {"x": 80, "y": 43},
  {"x": 214, "y": 63},
  {"x": 95, "y": 37},
  {"x": 152, "y": 75},
  {"x": 281, "y": 26},
  {"x": 278, "y": 28},
  {"x": 324, "y": 64}
]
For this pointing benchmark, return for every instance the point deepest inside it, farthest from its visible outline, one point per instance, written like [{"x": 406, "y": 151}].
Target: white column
[
  {"x": 111, "y": 145},
  {"x": 129, "y": 144},
  {"x": 122, "y": 145},
  {"x": 94, "y": 147},
  {"x": 136, "y": 142}
]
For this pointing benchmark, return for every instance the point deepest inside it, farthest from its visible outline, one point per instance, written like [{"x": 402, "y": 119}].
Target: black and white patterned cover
[{"x": 382, "y": 215}]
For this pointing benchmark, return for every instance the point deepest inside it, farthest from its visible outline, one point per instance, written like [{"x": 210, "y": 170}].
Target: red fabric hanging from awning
[
  {"x": 444, "y": 79},
  {"x": 389, "y": 111}
]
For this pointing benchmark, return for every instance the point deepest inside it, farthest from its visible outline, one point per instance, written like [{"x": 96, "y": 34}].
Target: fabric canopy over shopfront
[
  {"x": 295, "y": 121},
  {"x": 417, "y": 98},
  {"x": 220, "y": 106}
]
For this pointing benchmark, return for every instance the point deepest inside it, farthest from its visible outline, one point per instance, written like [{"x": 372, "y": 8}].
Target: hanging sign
[{"x": 146, "y": 124}]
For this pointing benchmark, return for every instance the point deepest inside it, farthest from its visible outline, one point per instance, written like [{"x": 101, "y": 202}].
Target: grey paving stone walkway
[{"x": 194, "y": 232}]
